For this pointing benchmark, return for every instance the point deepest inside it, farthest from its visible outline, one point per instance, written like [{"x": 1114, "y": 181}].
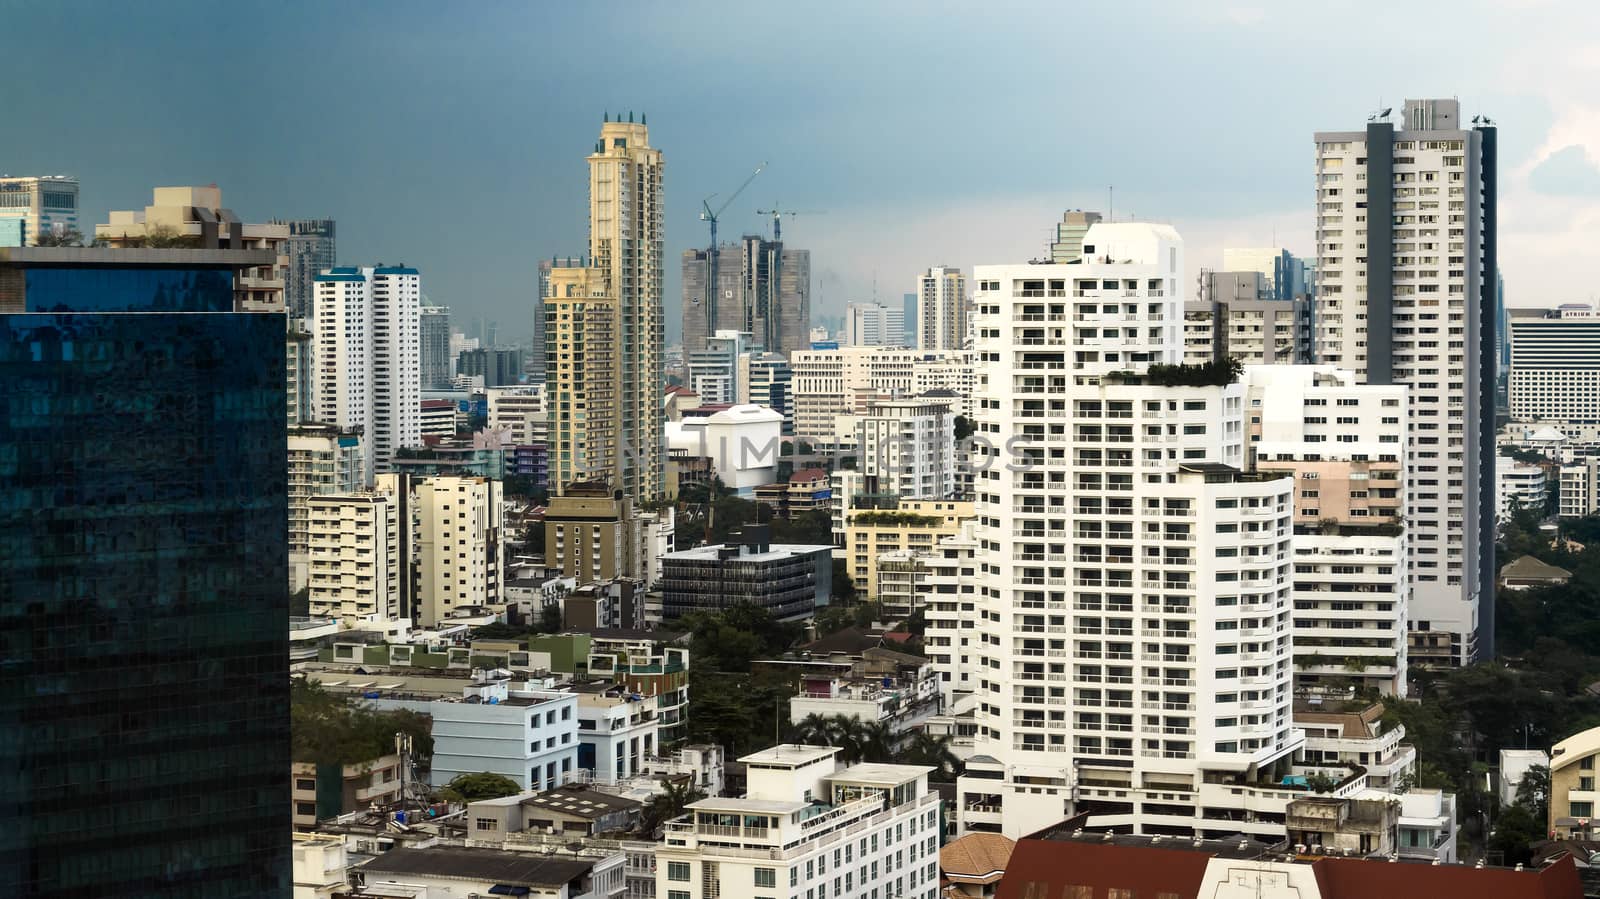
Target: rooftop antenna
[{"x": 1111, "y": 203}]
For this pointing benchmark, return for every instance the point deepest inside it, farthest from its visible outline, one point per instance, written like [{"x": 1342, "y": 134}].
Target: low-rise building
[
  {"x": 618, "y": 729},
  {"x": 573, "y": 811},
  {"x": 449, "y": 872},
  {"x": 743, "y": 443},
  {"x": 791, "y": 581},
  {"x": 807, "y": 826},
  {"x": 1357, "y": 826},
  {"x": 807, "y": 490},
  {"x": 1339, "y": 741},
  {"x": 328, "y": 791},
  {"x": 438, "y": 418},
  {"x": 1526, "y": 572},
  {"x": 1518, "y": 486},
  {"x": 1580, "y": 488},
  {"x": 916, "y": 525},
  {"x": 973, "y": 865},
  {"x": 1428, "y": 825},
  {"x": 1514, "y": 766},
  {"x": 321, "y": 865},
  {"x": 1572, "y": 787}
]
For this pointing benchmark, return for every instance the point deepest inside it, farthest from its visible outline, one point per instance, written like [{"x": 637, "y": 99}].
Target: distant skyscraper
[
  {"x": 762, "y": 288},
  {"x": 435, "y": 335},
  {"x": 873, "y": 325},
  {"x": 311, "y": 250},
  {"x": 942, "y": 313},
  {"x": 1068, "y": 245},
  {"x": 142, "y": 581},
  {"x": 605, "y": 382},
  {"x": 1285, "y": 273},
  {"x": 366, "y": 346},
  {"x": 909, "y": 304},
  {"x": 30, "y": 207},
  {"x": 1406, "y": 295},
  {"x": 497, "y": 367}
]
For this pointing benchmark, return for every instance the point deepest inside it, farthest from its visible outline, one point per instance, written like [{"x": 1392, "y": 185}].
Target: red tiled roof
[
  {"x": 438, "y": 404},
  {"x": 1356, "y": 878},
  {"x": 808, "y": 474},
  {"x": 1045, "y": 867},
  {"x": 680, "y": 390}
]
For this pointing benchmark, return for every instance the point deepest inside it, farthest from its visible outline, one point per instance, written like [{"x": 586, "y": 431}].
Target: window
[
  {"x": 1581, "y": 809},
  {"x": 304, "y": 785},
  {"x": 483, "y": 824},
  {"x": 305, "y": 809},
  {"x": 766, "y": 877},
  {"x": 679, "y": 871},
  {"x": 677, "y": 894},
  {"x": 1586, "y": 763}
]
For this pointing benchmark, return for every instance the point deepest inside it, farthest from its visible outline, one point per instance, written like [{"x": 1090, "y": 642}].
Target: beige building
[
  {"x": 914, "y": 525},
  {"x": 375, "y": 781},
  {"x": 603, "y": 328},
  {"x": 942, "y": 309},
  {"x": 1572, "y": 792},
  {"x": 460, "y": 544},
  {"x": 356, "y": 551},
  {"x": 1328, "y": 824},
  {"x": 593, "y": 534},
  {"x": 322, "y": 459},
  {"x": 195, "y": 217}
]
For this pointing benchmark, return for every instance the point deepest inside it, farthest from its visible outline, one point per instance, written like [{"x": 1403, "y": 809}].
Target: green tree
[
  {"x": 550, "y": 619},
  {"x": 843, "y": 588},
  {"x": 1514, "y": 833},
  {"x": 934, "y": 751},
  {"x": 667, "y": 805},
  {"x": 333, "y": 729},
  {"x": 1533, "y": 792},
  {"x": 964, "y": 428},
  {"x": 68, "y": 237},
  {"x": 483, "y": 785}
]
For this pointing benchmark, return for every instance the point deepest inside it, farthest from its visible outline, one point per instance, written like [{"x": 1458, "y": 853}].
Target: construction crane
[
  {"x": 713, "y": 254},
  {"x": 777, "y": 219}
]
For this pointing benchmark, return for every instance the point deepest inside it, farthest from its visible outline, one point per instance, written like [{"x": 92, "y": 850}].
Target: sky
[{"x": 452, "y": 136}]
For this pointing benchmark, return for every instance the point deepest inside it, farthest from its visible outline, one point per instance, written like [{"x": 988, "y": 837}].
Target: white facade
[
  {"x": 520, "y": 410},
  {"x": 942, "y": 309},
  {"x": 437, "y": 418},
  {"x": 529, "y": 736},
  {"x": 460, "y": 544},
  {"x": 1580, "y": 488},
  {"x": 807, "y": 828},
  {"x": 1555, "y": 365},
  {"x": 765, "y": 379},
  {"x": 1344, "y": 444},
  {"x": 321, "y": 460},
  {"x": 907, "y": 448},
  {"x": 714, "y": 371},
  {"x": 356, "y": 549},
  {"x": 619, "y": 731},
  {"x": 951, "y": 604},
  {"x": 35, "y": 206},
  {"x": 366, "y": 352},
  {"x": 1518, "y": 485},
  {"x": 1420, "y": 323},
  {"x": 828, "y": 383},
  {"x": 871, "y": 324},
  {"x": 742, "y": 442},
  {"x": 1133, "y": 585}
]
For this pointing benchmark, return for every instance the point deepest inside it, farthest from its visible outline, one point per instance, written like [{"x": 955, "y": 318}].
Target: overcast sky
[{"x": 451, "y": 136}]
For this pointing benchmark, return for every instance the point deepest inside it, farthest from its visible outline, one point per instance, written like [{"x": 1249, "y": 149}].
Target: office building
[
  {"x": 460, "y": 544},
  {"x": 1580, "y": 488},
  {"x": 873, "y": 325},
  {"x": 1555, "y": 365},
  {"x": 1406, "y": 295},
  {"x": 762, "y": 288},
  {"x": 359, "y": 551},
  {"x": 437, "y": 418},
  {"x": 491, "y": 367},
  {"x": 142, "y": 585},
  {"x": 1133, "y": 581},
  {"x": 311, "y": 248},
  {"x": 604, "y": 328},
  {"x": 365, "y": 334},
  {"x": 322, "y": 459},
  {"x": 194, "y": 218},
  {"x": 791, "y": 581},
  {"x": 806, "y": 825},
  {"x": 908, "y": 448},
  {"x": 35, "y": 207},
  {"x": 714, "y": 369},
  {"x": 433, "y": 329},
  {"x": 1067, "y": 247},
  {"x": 942, "y": 309},
  {"x": 766, "y": 379},
  {"x": 520, "y": 412},
  {"x": 1283, "y": 272},
  {"x": 1344, "y": 445}
]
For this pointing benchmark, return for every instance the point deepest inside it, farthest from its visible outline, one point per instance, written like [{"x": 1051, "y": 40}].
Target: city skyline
[{"x": 513, "y": 186}]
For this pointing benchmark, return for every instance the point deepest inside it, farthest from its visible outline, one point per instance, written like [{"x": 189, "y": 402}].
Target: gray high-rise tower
[
  {"x": 311, "y": 251},
  {"x": 763, "y": 288},
  {"x": 1406, "y": 236}
]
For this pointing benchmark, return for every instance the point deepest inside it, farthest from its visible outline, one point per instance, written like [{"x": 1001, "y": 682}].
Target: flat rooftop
[
  {"x": 792, "y": 755},
  {"x": 527, "y": 869},
  {"x": 761, "y": 806},
  {"x": 879, "y": 774}
]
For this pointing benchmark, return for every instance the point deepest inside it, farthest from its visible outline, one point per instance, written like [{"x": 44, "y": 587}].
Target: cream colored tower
[{"x": 606, "y": 388}]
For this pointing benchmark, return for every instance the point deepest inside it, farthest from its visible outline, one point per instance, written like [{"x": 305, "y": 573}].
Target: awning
[{"x": 501, "y": 889}]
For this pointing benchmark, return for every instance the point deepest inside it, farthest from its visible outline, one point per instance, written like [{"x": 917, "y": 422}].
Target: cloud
[
  {"x": 1245, "y": 16},
  {"x": 1567, "y": 172}
]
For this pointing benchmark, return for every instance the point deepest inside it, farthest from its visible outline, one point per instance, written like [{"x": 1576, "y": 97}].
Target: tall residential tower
[
  {"x": 1406, "y": 243},
  {"x": 942, "y": 313}
]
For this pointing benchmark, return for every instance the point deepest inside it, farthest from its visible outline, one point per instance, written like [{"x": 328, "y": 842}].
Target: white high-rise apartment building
[
  {"x": 1406, "y": 285},
  {"x": 460, "y": 544},
  {"x": 908, "y": 448},
  {"x": 1555, "y": 365},
  {"x": 942, "y": 309},
  {"x": 521, "y": 411},
  {"x": 366, "y": 352},
  {"x": 1344, "y": 444},
  {"x": 807, "y": 827},
  {"x": 950, "y": 604},
  {"x": 358, "y": 556},
  {"x": 1133, "y": 653},
  {"x": 872, "y": 324},
  {"x": 1580, "y": 488},
  {"x": 829, "y": 383}
]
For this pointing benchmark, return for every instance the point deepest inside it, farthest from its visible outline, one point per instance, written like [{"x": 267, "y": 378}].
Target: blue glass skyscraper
[{"x": 144, "y": 732}]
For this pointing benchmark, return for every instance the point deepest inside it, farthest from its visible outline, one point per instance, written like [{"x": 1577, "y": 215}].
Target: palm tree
[
  {"x": 933, "y": 751},
  {"x": 876, "y": 742},
  {"x": 813, "y": 730},
  {"x": 667, "y": 805}
]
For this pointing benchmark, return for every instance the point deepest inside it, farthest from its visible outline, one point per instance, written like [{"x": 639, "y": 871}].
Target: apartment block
[
  {"x": 1344, "y": 445},
  {"x": 915, "y": 525},
  {"x": 942, "y": 309},
  {"x": 1519, "y": 485},
  {"x": 766, "y": 379},
  {"x": 322, "y": 459},
  {"x": 1068, "y": 243},
  {"x": 358, "y": 547},
  {"x": 460, "y": 544},
  {"x": 1572, "y": 790},
  {"x": 828, "y": 384},
  {"x": 619, "y": 730},
  {"x": 327, "y": 791},
  {"x": 950, "y": 603},
  {"x": 791, "y": 581},
  {"x": 311, "y": 248},
  {"x": 1580, "y": 488},
  {"x": 714, "y": 369},
  {"x": 594, "y": 534},
  {"x": 871, "y": 324},
  {"x": 1555, "y": 365},
  {"x": 907, "y": 448},
  {"x": 807, "y": 825},
  {"x": 1134, "y": 616},
  {"x": 1406, "y": 294}
]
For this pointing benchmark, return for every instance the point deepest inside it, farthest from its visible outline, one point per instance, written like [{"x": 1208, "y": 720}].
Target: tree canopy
[
  {"x": 330, "y": 729},
  {"x": 483, "y": 785}
]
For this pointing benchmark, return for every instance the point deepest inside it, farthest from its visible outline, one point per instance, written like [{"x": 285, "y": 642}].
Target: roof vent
[
  {"x": 1300, "y": 848},
  {"x": 1107, "y": 837},
  {"x": 1155, "y": 839},
  {"x": 1518, "y": 867},
  {"x": 1436, "y": 861}
]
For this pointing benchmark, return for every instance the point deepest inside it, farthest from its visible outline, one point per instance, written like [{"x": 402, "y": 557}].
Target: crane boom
[{"x": 710, "y": 216}]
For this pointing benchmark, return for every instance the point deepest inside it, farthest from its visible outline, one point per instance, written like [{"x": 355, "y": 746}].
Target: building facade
[
  {"x": 762, "y": 288},
  {"x": 34, "y": 207},
  {"x": 790, "y": 581},
  {"x": 322, "y": 459},
  {"x": 942, "y": 310},
  {"x": 311, "y": 248},
  {"x": 1407, "y": 295},
  {"x": 1555, "y": 365},
  {"x": 1068, "y": 243},
  {"x": 1580, "y": 488},
  {"x": 873, "y": 325},
  {"x": 460, "y": 544},
  {"x": 911, "y": 526},
  {"x": 827, "y": 383},
  {"x": 433, "y": 334},
  {"x": 908, "y": 448},
  {"x": 714, "y": 369},
  {"x": 358, "y": 551},
  {"x": 142, "y": 546}
]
